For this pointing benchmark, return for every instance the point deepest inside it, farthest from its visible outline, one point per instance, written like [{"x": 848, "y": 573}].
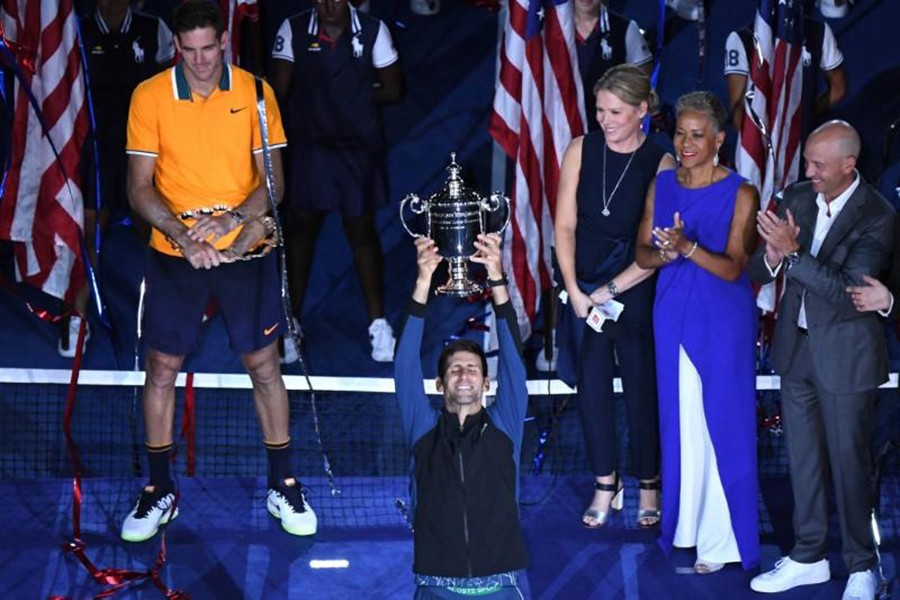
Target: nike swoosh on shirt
[
  {"x": 237, "y": 110},
  {"x": 269, "y": 330}
]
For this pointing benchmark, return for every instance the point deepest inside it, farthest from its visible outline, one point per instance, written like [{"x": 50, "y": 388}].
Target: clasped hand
[
  {"x": 198, "y": 248},
  {"x": 212, "y": 227},
  {"x": 671, "y": 240}
]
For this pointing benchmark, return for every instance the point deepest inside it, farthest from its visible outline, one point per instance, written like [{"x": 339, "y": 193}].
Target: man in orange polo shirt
[{"x": 195, "y": 170}]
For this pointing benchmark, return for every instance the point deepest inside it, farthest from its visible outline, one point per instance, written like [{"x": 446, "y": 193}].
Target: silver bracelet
[{"x": 690, "y": 252}]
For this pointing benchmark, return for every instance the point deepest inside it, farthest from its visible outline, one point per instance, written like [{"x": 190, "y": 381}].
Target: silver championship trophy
[{"x": 454, "y": 217}]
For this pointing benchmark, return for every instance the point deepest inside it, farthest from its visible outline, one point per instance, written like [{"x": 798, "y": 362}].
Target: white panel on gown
[{"x": 703, "y": 517}]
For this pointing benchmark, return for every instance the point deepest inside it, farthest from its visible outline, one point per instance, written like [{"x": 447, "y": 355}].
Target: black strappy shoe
[
  {"x": 616, "y": 503},
  {"x": 649, "y": 517}
]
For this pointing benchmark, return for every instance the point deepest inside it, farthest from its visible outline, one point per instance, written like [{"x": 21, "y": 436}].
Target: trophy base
[{"x": 459, "y": 288}]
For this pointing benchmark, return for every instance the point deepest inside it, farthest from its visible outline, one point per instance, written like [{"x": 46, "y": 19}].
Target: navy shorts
[
  {"x": 247, "y": 293},
  {"x": 350, "y": 181}
]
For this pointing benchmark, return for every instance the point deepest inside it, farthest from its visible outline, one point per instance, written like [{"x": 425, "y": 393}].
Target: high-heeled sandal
[
  {"x": 615, "y": 503},
  {"x": 649, "y": 517},
  {"x": 705, "y": 567}
]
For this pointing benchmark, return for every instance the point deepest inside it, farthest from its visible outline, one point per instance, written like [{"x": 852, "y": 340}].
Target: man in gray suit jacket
[{"x": 827, "y": 234}]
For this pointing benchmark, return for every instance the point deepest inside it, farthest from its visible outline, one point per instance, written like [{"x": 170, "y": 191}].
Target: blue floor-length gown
[{"x": 715, "y": 322}]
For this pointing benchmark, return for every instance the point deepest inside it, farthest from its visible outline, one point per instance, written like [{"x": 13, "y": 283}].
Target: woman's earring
[{"x": 716, "y": 157}]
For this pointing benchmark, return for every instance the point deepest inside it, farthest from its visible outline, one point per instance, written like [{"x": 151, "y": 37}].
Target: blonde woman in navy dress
[{"x": 603, "y": 182}]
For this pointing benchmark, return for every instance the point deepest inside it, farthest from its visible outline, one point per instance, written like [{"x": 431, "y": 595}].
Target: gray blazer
[{"x": 848, "y": 348}]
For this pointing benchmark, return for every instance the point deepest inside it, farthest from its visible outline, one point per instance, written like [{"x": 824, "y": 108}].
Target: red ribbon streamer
[
  {"x": 42, "y": 314},
  {"x": 189, "y": 424},
  {"x": 116, "y": 579}
]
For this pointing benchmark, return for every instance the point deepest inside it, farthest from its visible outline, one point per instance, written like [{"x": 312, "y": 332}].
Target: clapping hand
[
  {"x": 670, "y": 240},
  {"x": 779, "y": 234}
]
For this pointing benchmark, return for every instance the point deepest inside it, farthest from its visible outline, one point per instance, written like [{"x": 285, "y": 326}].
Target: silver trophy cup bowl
[{"x": 453, "y": 217}]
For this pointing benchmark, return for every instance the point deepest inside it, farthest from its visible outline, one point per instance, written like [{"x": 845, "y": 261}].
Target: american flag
[
  {"x": 537, "y": 112},
  {"x": 233, "y": 13},
  {"x": 42, "y": 207},
  {"x": 769, "y": 150}
]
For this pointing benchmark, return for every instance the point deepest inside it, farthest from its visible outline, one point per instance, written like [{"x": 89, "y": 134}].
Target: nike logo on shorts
[
  {"x": 237, "y": 110},
  {"x": 268, "y": 330}
]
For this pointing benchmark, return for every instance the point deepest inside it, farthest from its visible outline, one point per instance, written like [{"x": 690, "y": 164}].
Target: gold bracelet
[
  {"x": 665, "y": 258},
  {"x": 690, "y": 252}
]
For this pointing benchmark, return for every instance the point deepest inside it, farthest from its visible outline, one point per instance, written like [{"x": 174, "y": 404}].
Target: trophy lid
[{"x": 454, "y": 186}]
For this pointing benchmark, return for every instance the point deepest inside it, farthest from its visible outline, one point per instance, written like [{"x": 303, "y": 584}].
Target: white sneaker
[
  {"x": 862, "y": 585},
  {"x": 789, "y": 574},
  {"x": 543, "y": 364},
  {"x": 834, "y": 9},
  {"x": 425, "y": 7},
  {"x": 291, "y": 353},
  {"x": 151, "y": 511},
  {"x": 287, "y": 502},
  {"x": 382, "y": 338},
  {"x": 69, "y": 340}
]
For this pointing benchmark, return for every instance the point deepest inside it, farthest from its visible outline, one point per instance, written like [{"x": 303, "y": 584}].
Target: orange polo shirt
[{"x": 203, "y": 147}]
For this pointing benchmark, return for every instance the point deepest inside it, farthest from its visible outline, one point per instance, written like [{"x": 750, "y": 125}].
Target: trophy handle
[
  {"x": 417, "y": 206},
  {"x": 493, "y": 204}
]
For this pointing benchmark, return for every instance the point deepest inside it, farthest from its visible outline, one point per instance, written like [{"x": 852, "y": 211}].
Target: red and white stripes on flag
[
  {"x": 768, "y": 152},
  {"x": 537, "y": 111},
  {"x": 42, "y": 206},
  {"x": 233, "y": 13}
]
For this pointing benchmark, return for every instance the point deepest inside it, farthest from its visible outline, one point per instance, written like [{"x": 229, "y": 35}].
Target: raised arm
[
  {"x": 416, "y": 414},
  {"x": 511, "y": 403}
]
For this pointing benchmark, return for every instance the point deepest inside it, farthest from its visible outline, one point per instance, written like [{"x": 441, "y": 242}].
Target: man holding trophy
[{"x": 467, "y": 536}]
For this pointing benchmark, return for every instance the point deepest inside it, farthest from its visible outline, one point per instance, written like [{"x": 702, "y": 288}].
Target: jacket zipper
[{"x": 462, "y": 477}]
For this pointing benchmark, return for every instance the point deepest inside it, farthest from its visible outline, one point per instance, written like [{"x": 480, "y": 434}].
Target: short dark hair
[
  {"x": 455, "y": 346},
  {"x": 197, "y": 14},
  {"x": 707, "y": 104}
]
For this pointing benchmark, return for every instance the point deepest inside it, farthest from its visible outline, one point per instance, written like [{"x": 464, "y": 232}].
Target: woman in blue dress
[
  {"x": 603, "y": 183},
  {"x": 699, "y": 231}
]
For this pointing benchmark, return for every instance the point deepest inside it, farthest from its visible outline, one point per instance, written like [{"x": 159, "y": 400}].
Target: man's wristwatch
[
  {"x": 791, "y": 259},
  {"x": 497, "y": 282},
  {"x": 612, "y": 288},
  {"x": 238, "y": 217}
]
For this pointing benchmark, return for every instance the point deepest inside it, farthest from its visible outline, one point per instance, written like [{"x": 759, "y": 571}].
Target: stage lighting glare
[{"x": 339, "y": 563}]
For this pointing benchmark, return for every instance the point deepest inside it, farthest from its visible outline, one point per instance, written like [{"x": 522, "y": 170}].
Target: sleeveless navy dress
[{"x": 604, "y": 247}]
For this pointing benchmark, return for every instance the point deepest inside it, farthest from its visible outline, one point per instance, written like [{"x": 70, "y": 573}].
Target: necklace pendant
[{"x": 605, "y": 212}]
